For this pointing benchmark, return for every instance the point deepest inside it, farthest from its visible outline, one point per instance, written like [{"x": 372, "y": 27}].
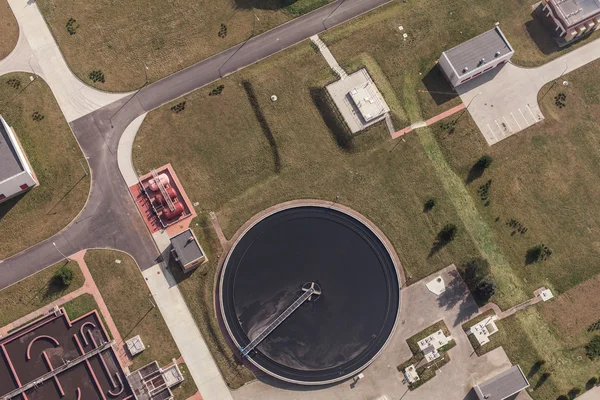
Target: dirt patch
[{"x": 574, "y": 310}]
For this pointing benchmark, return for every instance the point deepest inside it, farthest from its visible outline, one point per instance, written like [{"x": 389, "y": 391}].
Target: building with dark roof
[
  {"x": 476, "y": 56},
  {"x": 187, "y": 251},
  {"x": 572, "y": 19},
  {"x": 503, "y": 385},
  {"x": 16, "y": 175}
]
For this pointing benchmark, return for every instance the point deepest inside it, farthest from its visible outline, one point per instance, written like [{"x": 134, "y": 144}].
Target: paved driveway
[
  {"x": 504, "y": 102},
  {"x": 420, "y": 309}
]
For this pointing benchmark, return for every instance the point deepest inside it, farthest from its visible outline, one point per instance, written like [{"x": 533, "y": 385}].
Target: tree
[
  {"x": 447, "y": 234},
  {"x": 593, "y": 381},
  {"x": 484, "y": 162},
  {"x": 486, "y": 288},
  {"x": 593, "y": 348},
  {"x": 533, "y": 254},
  {"x": 64, "y": 276},
  {"x": 475, "y": 271},
  {"x": 429, "y": 204}
]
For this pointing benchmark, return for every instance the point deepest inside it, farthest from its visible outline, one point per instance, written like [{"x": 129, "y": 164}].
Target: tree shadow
[
  {"x": 340, "y": 132},
  {"x": 457, "y": 294},
  {"x": 535, "y": 368},
  {"x": 438, "y": 86},
  {"x": 266, "y": 129},
  {"x": 475, "y": 173},
  {"x": 263, "y": 4},
  {"x": 442, "y": 239}
]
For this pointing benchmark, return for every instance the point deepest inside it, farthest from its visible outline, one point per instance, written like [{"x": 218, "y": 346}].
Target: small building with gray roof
[
  {"x": 16, "y": 175},
  {"x": 503, "y": 385},
  {"x": 476, "y": 56},
  {"x": 187, "y": 251}
]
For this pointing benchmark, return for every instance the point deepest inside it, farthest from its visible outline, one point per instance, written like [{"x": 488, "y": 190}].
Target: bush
[
  {"x": 574, "y": 392},
  {"x": 562, "y": 397},
  {"x": 429, "y": 204},
  {"x": 484, "y": 162},
  {"x": 447, "y": 233},
  {"x": 591, "y": 383},
  {"x": 593, "y": 348},
  {"x": 64, "y": 276}
]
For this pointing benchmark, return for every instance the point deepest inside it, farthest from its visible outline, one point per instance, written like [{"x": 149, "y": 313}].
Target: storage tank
[
  {"x": 172, "y": 194},
  {"x": 164, "y": 179},
  {"x": 177, "y": 211}
]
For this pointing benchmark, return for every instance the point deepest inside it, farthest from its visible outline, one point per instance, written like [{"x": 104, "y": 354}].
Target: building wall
[{"x": 21, "y": 182}]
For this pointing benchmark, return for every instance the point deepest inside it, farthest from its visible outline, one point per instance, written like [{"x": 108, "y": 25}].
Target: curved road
[{"x": 110, "y": 218}]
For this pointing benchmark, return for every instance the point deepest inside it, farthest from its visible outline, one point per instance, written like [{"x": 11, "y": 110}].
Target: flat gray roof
[
  {"x": 503, "y": 385},
  {"x": 186, "y": 247},
  {"x": 10, "y": 165},
  {"x": 469, "y": 54},
  {"x": 573, "y": 12}
]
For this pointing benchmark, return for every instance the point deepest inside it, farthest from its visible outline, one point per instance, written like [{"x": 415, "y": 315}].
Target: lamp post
[
  {"x": 135, "y": 94},
  {"x": 61, "y": 253},
  {"x": 467, "y": 107},
  {"x": 472, "y": 100}
]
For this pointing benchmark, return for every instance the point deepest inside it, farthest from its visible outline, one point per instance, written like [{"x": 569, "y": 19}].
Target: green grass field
[
  {"x": 9, "y": 30},
  {"x": 36, "y": 291},
  {"x": 56, "y": 159},
  {"x": 118, "y": 38},
  {"x": 130, "y": 304}
]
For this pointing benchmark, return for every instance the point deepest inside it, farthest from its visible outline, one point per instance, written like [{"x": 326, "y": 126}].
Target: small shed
[
  {"x": 410, "y": 373},
  {"x": 476, "y": 56},
  {"x": 187, "y": 251},
  {"x": 135, "y": 345},
  {"x": 503, "y": 385}
]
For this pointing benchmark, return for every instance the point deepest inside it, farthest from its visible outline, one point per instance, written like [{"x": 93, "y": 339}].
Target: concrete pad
[{"x": 436, "y": 286}]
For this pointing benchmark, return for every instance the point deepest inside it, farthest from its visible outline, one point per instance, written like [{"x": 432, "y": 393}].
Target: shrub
[
  {"x": 64, "y": 276},
  {"x": 591, "y": 383},
  {"x": 574, "y": 392},
  {"x": 429, "y": 204},
  {"x": 447, "y": 234},
  {"x": 593, "y": 348},
  {"x": 484, "y": 162},
  {"x": 562, "y": 397}
]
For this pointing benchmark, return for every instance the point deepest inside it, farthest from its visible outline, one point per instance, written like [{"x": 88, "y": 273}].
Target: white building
[
  {"x": 410, "y": 373},
  {"x": 476, "y": 56},
  {"x": 358, "y": 100},
  {"x": 432, "y": 343},
  {"x": 16, "y": 175},
  {"x": 484, "y": 329}
]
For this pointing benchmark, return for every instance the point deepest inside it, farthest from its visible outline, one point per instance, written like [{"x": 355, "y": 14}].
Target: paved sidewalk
[
  {"x": 183, "y": 328},
  {"x": 430, "y": 121},
  {"x": 36, "y": 50},
  {"x": 504, "y": 102},
  {"x": 333, "y": 64}
]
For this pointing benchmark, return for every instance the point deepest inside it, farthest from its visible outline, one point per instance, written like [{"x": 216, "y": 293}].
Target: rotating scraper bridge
[{"x": 311, "y": 292}]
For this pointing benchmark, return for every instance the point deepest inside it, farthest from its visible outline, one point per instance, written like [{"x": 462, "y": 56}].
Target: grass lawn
[
  {"x": 544, "y": 178},
  {"x": 117, "y": 38},
  {"x": 9, "y": 30},
  {"x": 228, "y": 165},
  {"x": 187, "y": 388},
  {"x": 130, "y": 304},
  {"x": 409, "y": 66},
  {"x": 36, "y": 291},
  {"x": 197, "y": 288},
  {"x": 56, "y": 159}
]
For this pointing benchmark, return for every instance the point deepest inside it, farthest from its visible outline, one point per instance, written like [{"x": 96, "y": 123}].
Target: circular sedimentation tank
[{"x": 329, "y": 337}]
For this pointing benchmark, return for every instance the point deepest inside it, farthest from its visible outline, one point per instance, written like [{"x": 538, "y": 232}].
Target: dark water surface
[{"x": 345, "y": 327}]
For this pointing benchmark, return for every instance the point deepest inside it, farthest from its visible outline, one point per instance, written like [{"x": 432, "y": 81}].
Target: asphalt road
[{"x": 110, "y": 218}]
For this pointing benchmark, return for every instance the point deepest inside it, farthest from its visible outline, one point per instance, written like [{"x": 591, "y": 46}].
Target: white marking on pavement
[
  {"x": 523, "y": 115},
  {"x": 509, "y": 127},
  {"x": 533, "y": 116},
  {"x": 493, "y": 135},
  {"x": 518, "y": 124}
]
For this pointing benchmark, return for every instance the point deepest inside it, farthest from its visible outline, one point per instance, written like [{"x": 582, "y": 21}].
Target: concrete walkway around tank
[
  {"x": 504, "y": 102},
  {"x": 37, "y": 52},
  {"x": 89, "y": 287},
  {"x": 183, "y": 328},
  {"x": 420, "y": 309}
]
